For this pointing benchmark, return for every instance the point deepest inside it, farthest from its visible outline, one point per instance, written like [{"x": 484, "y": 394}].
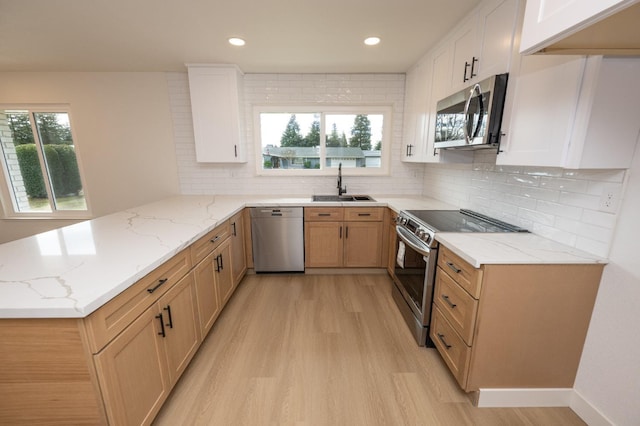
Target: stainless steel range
[{"x": 416, "y": 259}]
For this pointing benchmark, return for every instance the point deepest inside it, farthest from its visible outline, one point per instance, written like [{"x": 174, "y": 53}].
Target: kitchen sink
[{"x": 341, "y": 198}]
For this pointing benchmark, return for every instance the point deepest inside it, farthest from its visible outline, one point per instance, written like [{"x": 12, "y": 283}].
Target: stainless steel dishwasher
[{"x": 278, "y": 239}]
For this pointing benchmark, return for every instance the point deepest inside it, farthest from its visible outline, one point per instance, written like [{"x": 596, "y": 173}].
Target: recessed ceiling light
[
  {"x": 371, "y": 41},
  {"x": 236, "y": 41}
]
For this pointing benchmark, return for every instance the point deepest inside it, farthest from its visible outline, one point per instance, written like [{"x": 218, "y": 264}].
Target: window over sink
[
  {"x": 41, "y": 169},
  {"x": 316, "y": 140}
]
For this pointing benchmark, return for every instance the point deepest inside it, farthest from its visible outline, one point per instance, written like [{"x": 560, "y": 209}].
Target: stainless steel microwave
[{"x": 471, "y": 118}]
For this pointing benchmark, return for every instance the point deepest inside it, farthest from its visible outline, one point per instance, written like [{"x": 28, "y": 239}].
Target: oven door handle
[{"x": 410, "y": 240}]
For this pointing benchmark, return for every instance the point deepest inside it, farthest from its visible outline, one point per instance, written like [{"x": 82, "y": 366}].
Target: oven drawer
[
  {"x": 454, "y": 351},
  {"x": 463, "y": 273},
  {"x": 456, "y": 305}
]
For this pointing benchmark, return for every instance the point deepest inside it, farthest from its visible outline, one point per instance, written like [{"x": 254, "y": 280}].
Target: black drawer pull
[
  {"x": 324, "y": 214},
  {"x": 161, "y": 332},
  {"x": 168, "y": 309},
  {"x": 364, "y": 214},
  {"x": 215, "y": 239},
  {"x": 453, "y": 268},
  {"x": 446, "y": 299},
  {"x": 444, "y": 342},
  {"x": 160, "y": 282}
]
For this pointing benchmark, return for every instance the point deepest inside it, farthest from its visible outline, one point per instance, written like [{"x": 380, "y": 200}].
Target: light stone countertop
[{"x": 72, "y": 271}]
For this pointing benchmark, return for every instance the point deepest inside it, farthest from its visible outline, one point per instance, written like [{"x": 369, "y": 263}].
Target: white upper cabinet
[
  {"x": 416, "y": 111},
  {"x": 548, "y": 21},
  {"x": 216, "y": 99},
  {"x": 572, "y": 112},
  {"x": 481, "y": 45}
]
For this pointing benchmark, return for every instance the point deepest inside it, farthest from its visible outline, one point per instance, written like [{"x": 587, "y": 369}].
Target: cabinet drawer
[
  {"x": 105, "y": 323},
  {"x": 212, "y": 239},
  {"x": 456, "y": 305},
  {"x": 455, "y": 353},
  {"x": 364, "y": 213},
  {"x": 464, "y": 274},
  {"x": 316, "y": 214}
]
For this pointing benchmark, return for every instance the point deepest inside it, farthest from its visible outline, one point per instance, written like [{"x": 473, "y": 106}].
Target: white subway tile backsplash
[{"x": 562, "y": 205}]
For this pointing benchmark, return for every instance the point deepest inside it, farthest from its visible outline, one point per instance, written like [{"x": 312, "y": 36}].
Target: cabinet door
[
  {"x": 238, "y": 256},
  {"x": 323, "y": 244},
  {"x": 179, "y": 313},
  {"x": 538, "y": 125},
  {"x": 215, "y": 105},
  {"x": 416, "y": 115},
  {"x": 497, "y": 21},
  {"x": 224, "y": 277},
  {"x": 363, "y": 244},
  {"x": 547, "y": 21},
  {"x": 464, "y": 51},
  {"x": 207, "y": 293},
  {"x": 132, "y": 372}
]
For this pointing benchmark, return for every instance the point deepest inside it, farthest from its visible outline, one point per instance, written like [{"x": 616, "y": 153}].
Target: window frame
[
  {"x": 9, "y": 205},
  {"x": 386, "y": 110}
]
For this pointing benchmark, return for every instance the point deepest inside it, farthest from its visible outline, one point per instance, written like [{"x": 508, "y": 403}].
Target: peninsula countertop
[{"x": 71, "y": 271}]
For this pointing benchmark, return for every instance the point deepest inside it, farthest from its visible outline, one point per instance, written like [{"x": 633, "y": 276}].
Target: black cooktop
[{"x": 461, "y": 221}]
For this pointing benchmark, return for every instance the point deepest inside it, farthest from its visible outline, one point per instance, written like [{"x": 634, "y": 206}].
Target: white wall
[
  {"x": 287, "y": 89},
  {"x": 609, "y": 373},
  {"x": 122, "y": 131}
]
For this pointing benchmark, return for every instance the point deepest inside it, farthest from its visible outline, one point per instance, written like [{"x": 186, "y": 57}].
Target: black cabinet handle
[
  {"x": 160, "y": 282},
  {"x": 161, "y": 333},
  {"x": 235, "y": 150},
  {"x": 346, "y": 233},
  {"x": 341, "y": 232},
  {"x": 218, "y": 263},
  {"x": 364, "y": 214},
  {"x": 446, "y": 299},
  {"x": 234, "y": 229},
  {"x": 324, "y": 214},
  {"x": 453, "y": 268},
  {"x": 221, "y": 264},
  {"x": 168, "y": 309},
  {"x": 444, "y": 342},
  {"x": 217, "y": 237},
  {"x": 474, "y": 60}
]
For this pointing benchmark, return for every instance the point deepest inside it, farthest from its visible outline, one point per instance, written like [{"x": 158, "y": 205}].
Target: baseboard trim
[
  {"x": 525, "y": 397},
  {"x": 587, "y": 412}
]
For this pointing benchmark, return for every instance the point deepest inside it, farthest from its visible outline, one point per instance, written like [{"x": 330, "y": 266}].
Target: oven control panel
[{"x": 416, "y": 228}]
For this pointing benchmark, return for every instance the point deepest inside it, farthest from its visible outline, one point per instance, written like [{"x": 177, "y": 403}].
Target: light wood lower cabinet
[
  {"x": 349, "y": 237},
  {"x": 118, "y": 365},
  {"x": 238, "y": 254},
  {"x": 512, "y": 326}
]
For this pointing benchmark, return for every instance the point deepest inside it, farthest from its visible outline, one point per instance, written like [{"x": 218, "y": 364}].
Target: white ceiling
[{"x": 162, "y": 35}]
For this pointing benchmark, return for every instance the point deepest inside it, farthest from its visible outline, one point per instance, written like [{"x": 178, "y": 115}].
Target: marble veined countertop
[{"x": 72, "y": 271}]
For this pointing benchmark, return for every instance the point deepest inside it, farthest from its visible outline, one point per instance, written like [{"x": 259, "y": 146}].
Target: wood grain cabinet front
[
  {"x": 139, "y": 367},
  {"x": 349, "y": 237},
  {"x": 512, "y": 326}
]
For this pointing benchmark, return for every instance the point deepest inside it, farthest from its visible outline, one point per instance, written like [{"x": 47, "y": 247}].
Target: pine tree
[
  {"x": 361, "y": 133},
  {"x": 313, "y": 137},
  {"x": 291, "y": 136},
  {"x": 333, "y": 140}
]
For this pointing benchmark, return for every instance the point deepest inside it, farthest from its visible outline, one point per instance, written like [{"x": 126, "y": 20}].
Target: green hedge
[{"x": 63, "y": 170}]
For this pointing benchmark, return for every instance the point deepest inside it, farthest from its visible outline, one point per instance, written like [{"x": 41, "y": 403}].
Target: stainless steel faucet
[{"x": 341, "y": 190}]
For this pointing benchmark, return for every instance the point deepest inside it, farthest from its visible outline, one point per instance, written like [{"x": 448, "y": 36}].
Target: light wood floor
[{"x": 325, "y": 350}]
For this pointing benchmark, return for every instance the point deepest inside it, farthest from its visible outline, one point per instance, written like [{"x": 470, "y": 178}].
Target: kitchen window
[
  {"x": 316, "y": 140},
  {"x": 40, "y": 163}
]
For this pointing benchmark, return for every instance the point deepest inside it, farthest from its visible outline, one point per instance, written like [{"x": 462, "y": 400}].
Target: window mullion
[
  {"x": 43, "y": 163},
  {"x": 323, "y": 141}
]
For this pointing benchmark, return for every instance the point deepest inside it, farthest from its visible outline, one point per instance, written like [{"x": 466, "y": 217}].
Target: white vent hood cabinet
[
  {"x": 596, "y": 27},
  {"x": 216, "y": 99}
]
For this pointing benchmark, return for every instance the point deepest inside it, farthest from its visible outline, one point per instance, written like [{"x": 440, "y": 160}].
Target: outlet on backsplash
[{"x": 609, "y": 199}]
